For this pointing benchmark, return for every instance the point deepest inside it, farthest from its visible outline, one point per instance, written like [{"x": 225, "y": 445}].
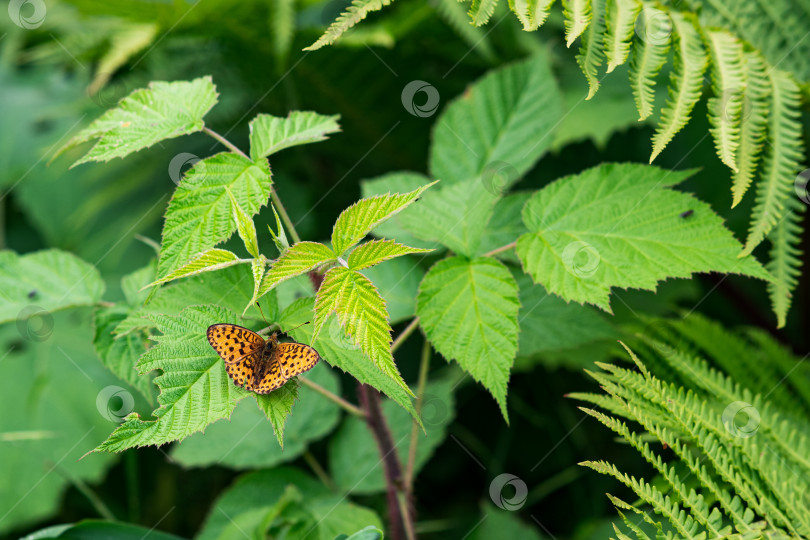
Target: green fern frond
[
  {"x": 686, "y": 82},
  {"x": 481, "y": 11},
  {"x": 355, "y": 13},
  {"x": 590, "y": 55},
  {"x": 577, "y": 15},
  {"x": 649, "y": 55},
  {"x": 781, "y": 161},
  {"x": 725, "y": 107},
  {"x": 754, "y": 121},
  {"x": 531, "y": 13},
  {"x": 454, "y": 14},
  {"x": 785, "y": 259},
  {"x": 620, "y": 22}
]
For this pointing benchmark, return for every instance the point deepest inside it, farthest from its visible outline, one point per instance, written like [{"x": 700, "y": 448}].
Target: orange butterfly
[{"x": 257, "y": 364}]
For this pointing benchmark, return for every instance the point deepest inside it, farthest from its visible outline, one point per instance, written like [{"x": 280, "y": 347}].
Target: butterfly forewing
[{"x": 233, "y": 343}]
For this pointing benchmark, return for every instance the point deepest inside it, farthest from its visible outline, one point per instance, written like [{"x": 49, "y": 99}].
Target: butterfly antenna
[
  {"x": 299, "y": 326},
  {"x": 262, "y": 312}
]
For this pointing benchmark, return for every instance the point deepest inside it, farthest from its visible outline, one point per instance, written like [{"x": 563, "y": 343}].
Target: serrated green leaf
[
  {"x": 271, "y": 134},
  {"x": 617, "y": 225},
  {"x": 194, "y": 388},
  {"x": 207, "y": 261},
  {"x": 163, "y": 110},
  {"x": 456, "y": 215},
  {"x": 398, "y": 281},
  {"x": 460, "y": 298},
  {"x": 336, "y": 349},
  {"x": 355, "y": 222},
  {"x": 503, "y": 123},
  {"x": 549, "y": 323},
  {"x": 355, "y": 13},
  {"x": 376, "y": 251},
  {"x": 36, "y": 284},
  {"x": 531, "y": 13},
  {"x": 395, "y": 227},
  {"x": 133, "y": 284},
  {"x": 277, "y": 406},
  {"x": 361, "y": 311},
  {"x": 620, "y": 22},
  {"x": 312, "y": 417},
  {"x": 300, "y": 258},
  {"x": 577, "y": 15},
  {"x": 120, "y": 356},
  {"x": 200, "y": 214},
  {"x": 244, "y": 226},
  {"x": 257, "y": 268},
  {"x": 230, "y": 288},
  {"x": 280, "y": 239},
  {"x": 686, "y": 81}
]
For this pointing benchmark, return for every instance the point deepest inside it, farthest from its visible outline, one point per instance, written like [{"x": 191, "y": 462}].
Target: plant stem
[
  {"x": 225, "y": 142},
  {"x": 402, "y": 499},
  {"x": 353, "y": 409},
  {"x": 319, "y": 471},
  {"x": 276, "y": 201},
  {"x": 370, "y": 401},
  {"x": 495, "y": 251},
  {"x": 424, "y": 364},
  {"x": 285, "y": 217},
  {"x": 404, "y": 334}
]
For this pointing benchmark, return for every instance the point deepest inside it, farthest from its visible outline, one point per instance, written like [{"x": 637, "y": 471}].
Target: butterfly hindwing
[{"x": 296, "y": 358}]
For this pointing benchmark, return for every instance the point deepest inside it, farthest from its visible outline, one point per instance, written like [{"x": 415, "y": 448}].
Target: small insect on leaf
[
  {"x": 686, "y": 214},
  {"x": 257, "y": 364}
]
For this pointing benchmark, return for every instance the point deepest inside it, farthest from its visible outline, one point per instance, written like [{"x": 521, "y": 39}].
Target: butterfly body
[{"x": 258, "y": 364}]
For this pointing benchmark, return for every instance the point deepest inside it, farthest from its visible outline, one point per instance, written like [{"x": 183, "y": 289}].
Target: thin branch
[
  {"x": 225, "y": 142},
  {"x": 495, "y": 251},
  {"x": 402, "y": 499},
  {"x": 424, "y": 364},
  {"x": 404, "y": 334},
  {"x": 353, "y": 409},
  {"x": 285, "y": 217},
  {"x": 319, "y": 471},
  {"x": 370, "y": 401}
]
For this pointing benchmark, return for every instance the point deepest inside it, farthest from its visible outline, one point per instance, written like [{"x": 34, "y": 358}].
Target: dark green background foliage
[{"x": 521, "y": 157}]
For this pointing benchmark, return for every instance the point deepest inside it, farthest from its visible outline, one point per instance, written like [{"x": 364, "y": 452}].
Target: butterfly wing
[
  {"x": 295, "y": 358},
  {"x": 272, "y": 378},
  {"x": 240, "y": 349}
]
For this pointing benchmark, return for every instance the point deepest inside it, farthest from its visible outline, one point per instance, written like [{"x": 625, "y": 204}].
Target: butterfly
[{"x": 257, "y": 364}]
